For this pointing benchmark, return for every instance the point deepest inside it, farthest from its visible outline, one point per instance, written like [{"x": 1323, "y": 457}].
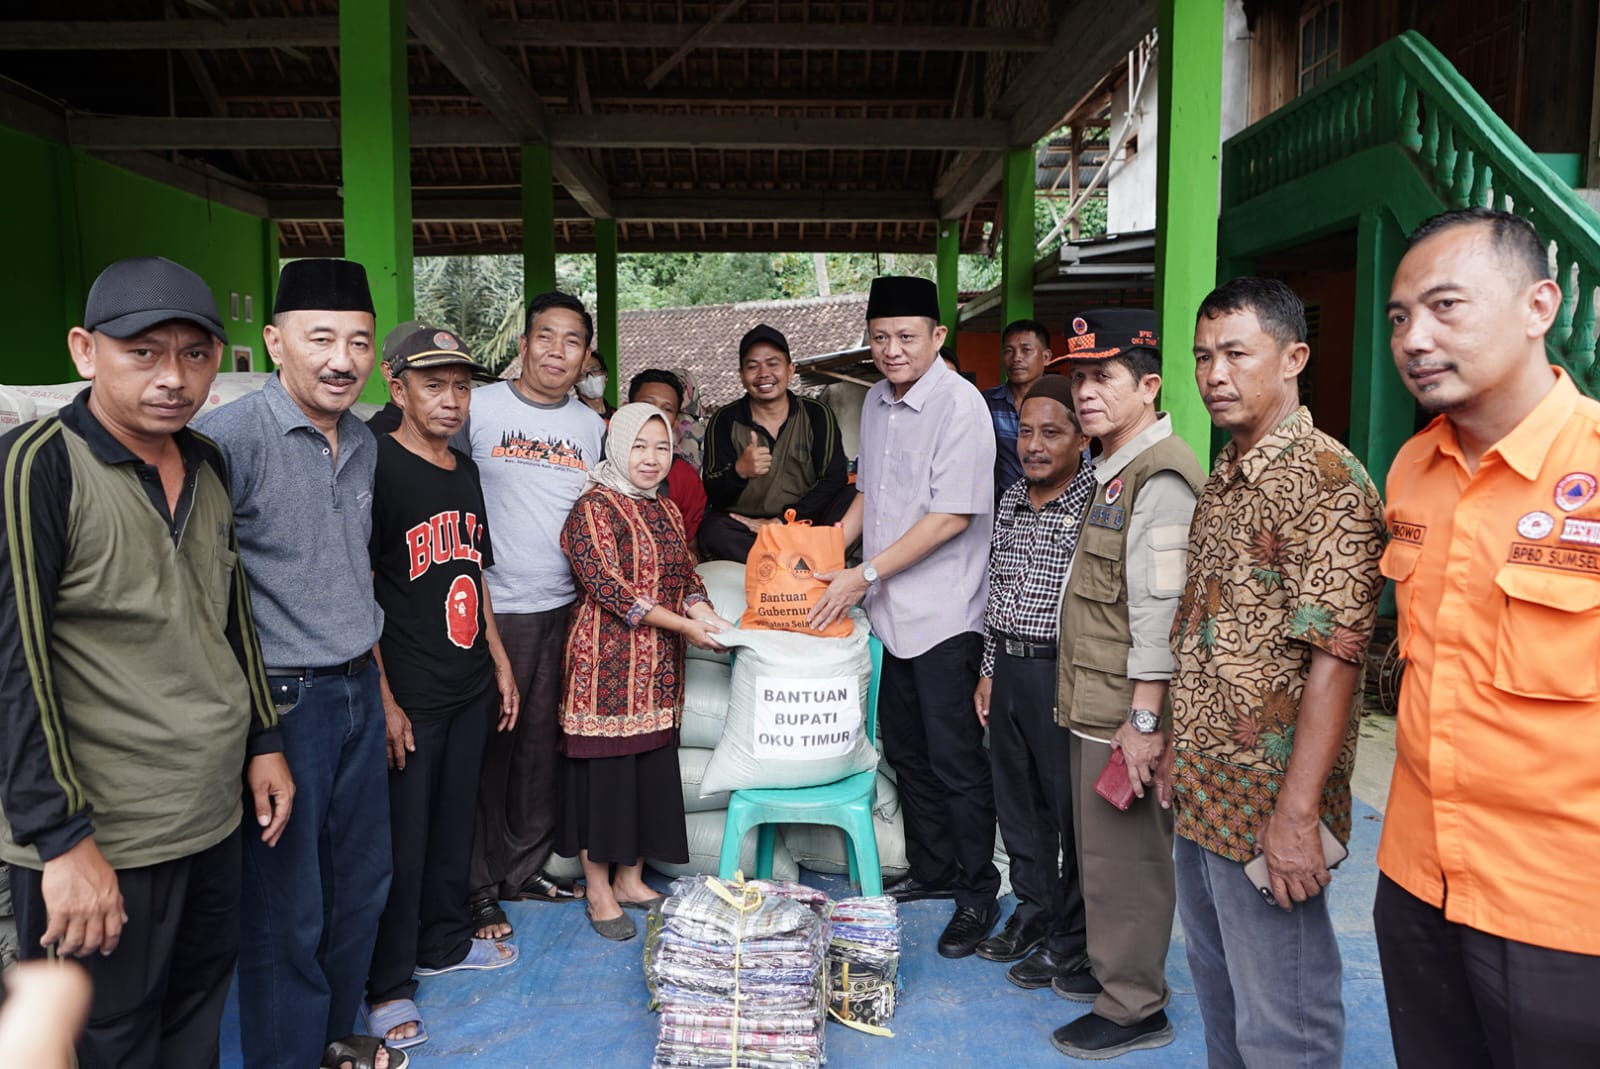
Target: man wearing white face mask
[{"x": 591, "y": 385}]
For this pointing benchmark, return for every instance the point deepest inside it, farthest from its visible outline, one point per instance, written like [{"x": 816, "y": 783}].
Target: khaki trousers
[{"x": 1125, "y": 863}]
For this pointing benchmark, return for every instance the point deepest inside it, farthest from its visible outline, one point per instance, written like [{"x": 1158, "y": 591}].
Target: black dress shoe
[
  {"x": 1092, "y": 1036},
  {"x": 1042, "y": 966},
  {"x": 1017, "y": 940},
  {"x": 1077, "y": 985},
  {"x": 967, "y": 929},
  {"x": 910, "y": 889}
]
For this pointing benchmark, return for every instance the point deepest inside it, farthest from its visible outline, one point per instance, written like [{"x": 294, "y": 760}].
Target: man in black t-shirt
[{"x": 445, "y": 676}]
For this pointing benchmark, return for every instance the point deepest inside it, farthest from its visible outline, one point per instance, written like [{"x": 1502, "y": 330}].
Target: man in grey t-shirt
[{"x": 534, "y": 445}]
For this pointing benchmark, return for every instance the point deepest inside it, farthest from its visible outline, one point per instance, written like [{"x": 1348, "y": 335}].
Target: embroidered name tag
[
  {"x": 1108, "y": 516},
  {"x": 1411, "y": 533},
  {"x": 1567, "y": 560}
]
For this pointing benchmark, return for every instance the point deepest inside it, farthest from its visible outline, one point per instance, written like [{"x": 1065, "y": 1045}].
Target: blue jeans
[
  {"x": 1268, "y": 981},
  {"x": 311, "y": 904}
]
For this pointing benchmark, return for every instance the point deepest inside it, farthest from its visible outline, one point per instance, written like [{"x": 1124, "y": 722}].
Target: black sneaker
[
  {"x": 1042, "y": 966},
  {"x": 1094, "y": 1038},
  {"x": 1077, "y": 986},
  {"x": 967, "y": 929},
  {"x": 1017, "y": 940}
]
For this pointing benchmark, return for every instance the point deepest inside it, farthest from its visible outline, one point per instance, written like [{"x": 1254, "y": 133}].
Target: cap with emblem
[
  {"x": 761, "y": 333},
  {"x": 400, "y": 333},
  {"x": 323, "y": 285},
  {"x": 133, "y": 295},
  {"x": 894, "y": 296},
  {"x": 427, "y": 347},
  {"x": 1107, "y": 332}
]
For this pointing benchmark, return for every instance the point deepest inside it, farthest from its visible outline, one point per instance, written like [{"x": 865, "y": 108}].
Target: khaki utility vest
[{"x": 1093, "y": 691}]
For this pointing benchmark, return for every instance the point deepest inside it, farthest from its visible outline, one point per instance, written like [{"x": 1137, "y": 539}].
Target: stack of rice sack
[
  {"x": 738, "y": 972},
  {"x": 864, "y": 961}
]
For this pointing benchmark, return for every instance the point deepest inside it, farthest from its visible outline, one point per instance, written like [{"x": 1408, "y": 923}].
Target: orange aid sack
[{"x": 780, "y": 583}]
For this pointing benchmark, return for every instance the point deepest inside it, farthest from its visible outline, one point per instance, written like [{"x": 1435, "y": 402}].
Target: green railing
[{"x": 1406, "y": 93}]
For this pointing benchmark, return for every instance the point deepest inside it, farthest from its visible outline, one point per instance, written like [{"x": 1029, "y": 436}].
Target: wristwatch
[
  {"x": 868, "y": 572},
  {"x": 1144, "y": 721}
]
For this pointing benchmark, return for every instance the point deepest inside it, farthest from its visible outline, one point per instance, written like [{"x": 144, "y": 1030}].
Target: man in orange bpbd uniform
[{"x": 1486, "y": 921}]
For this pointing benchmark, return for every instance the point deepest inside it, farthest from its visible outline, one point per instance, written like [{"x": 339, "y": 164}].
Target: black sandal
[
  {"x": 543, "y": 888},
  {"x": 484, "y": 913},
  {"x": 360, "y": 1052}
]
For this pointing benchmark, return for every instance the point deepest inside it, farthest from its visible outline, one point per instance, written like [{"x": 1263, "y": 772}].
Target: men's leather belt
[
  {"x": 1019, "y": 647},
  {"x": 354, "y": 666}
]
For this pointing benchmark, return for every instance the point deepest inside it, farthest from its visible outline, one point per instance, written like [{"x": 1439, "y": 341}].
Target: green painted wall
[{"x": 73, "y": 215}]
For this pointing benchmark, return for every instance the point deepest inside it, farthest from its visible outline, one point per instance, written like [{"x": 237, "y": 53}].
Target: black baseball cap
[
  {"x": 1107, "y": 332},
  {"x": 763, "y": 333},
  {"x": 134, "y": 295},
  {"x": 428, "y": 347}
]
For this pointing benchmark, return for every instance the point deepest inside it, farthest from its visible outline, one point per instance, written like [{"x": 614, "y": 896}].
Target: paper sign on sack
[{"x": 806, "y": 719}]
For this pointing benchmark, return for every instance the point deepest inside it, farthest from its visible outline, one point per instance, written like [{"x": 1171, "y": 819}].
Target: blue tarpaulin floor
[{"x": 575, "y": 999}]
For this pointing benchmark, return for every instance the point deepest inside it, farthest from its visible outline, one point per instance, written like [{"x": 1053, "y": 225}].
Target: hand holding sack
[{"x": 780, "y": 580}]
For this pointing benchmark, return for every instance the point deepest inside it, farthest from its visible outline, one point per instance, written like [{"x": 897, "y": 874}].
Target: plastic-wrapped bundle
[
  {"x": 864, "y": 962},
  {"x": 737, "y": 970}
]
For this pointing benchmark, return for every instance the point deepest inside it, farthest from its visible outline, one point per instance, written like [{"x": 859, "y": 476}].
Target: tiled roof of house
[{"x": 705, "y": 340}]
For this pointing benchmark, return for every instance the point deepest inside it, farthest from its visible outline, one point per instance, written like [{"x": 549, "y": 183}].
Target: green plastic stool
[{"x": 845, "y": 803}]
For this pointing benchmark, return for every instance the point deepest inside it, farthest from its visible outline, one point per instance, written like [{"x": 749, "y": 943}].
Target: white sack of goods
[
  {"x": 724, "y": 581},
  {"x": 705, "y": 850},
  {"x": 16, "y": 408},
  {"x": 692, "y": 762},
  {"x": 797, "y": 711},
  {"x": 707, "y": 686},
  {"x": 824, "y": 848}
]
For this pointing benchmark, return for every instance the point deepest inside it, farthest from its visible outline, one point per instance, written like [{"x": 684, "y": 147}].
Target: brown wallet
[{"x": 1113, "y": 783}]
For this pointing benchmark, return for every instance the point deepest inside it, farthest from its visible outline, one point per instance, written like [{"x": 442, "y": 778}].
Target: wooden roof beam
[
  {"x": 1096, "y": 35},
  {"x": 634, "y": 131},
  {"x": 455, "y": 34},
  {"x": 128, "y": 35},
  {"x": 715, "y": 206}
]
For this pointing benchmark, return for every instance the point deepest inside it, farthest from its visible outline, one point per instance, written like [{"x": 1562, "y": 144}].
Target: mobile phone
[{"x": 1333, "y": 852}]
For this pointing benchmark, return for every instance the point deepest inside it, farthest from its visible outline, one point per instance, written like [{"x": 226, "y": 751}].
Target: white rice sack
[
  {"x": 16, "y": 408},
  {"x": 887, "y": 806},
  {"x": 232, "y": 385},
  {"x": 563, "y": 868},
  {"x": 797, "y": 710},
  {"x": 824, "y": 848},
  {"x": 707, "y": 686},
  {"x": 705, "y": 850},
  {"x": 692, "y": 762},
  {"x": 48, "y": 400},
  {"x": 724, "y": 581}
]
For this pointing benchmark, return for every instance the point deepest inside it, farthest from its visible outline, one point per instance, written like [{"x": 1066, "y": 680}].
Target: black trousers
[
  {"x": 934, "y": 741},
  {"x": 516, "y": 824},
  {"x": 1031, "y": 756},
  {"x": 431, "y": 807},
  {"x": 158, "y": 998},
  {"x": 724, "y": 538},
  {"x": 1466, "y": 999}
]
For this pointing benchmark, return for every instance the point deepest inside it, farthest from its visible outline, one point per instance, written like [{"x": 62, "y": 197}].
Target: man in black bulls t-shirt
[{"x": 445, "y": 677}]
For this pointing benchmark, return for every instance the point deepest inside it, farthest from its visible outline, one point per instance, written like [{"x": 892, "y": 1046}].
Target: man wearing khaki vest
[
  {"x": 1114, "y": 663},
  {"x": 769, "y": 451}
]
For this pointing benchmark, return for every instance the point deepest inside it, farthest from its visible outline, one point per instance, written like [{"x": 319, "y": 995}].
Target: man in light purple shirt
[{"x": 924, "y": 511}]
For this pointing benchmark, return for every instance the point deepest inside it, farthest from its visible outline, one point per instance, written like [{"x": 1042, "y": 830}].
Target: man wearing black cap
[
  {"x": 132, "y": 695},
  {"x": 1035, "y": 532},
  {"x": 923, "y": 512},
  {"x": 445, "y": 675},
  {"x": 301, "y": 466},
  {"x": 1113, "y": 666},
  {"x": 770, "y": 451}
]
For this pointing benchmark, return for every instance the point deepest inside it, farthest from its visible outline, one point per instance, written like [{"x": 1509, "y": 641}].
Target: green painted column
[
  {"x": 1187, "y": 184},
  {"x": 947, "y": 271},
  {"x": 605, "y": 298},
  {"x": 538, "y": 222},
  {"x": 1016, "y": 242},
  {"x": 375, "y": 155},
  {"x": 1382, "y": 412}
]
